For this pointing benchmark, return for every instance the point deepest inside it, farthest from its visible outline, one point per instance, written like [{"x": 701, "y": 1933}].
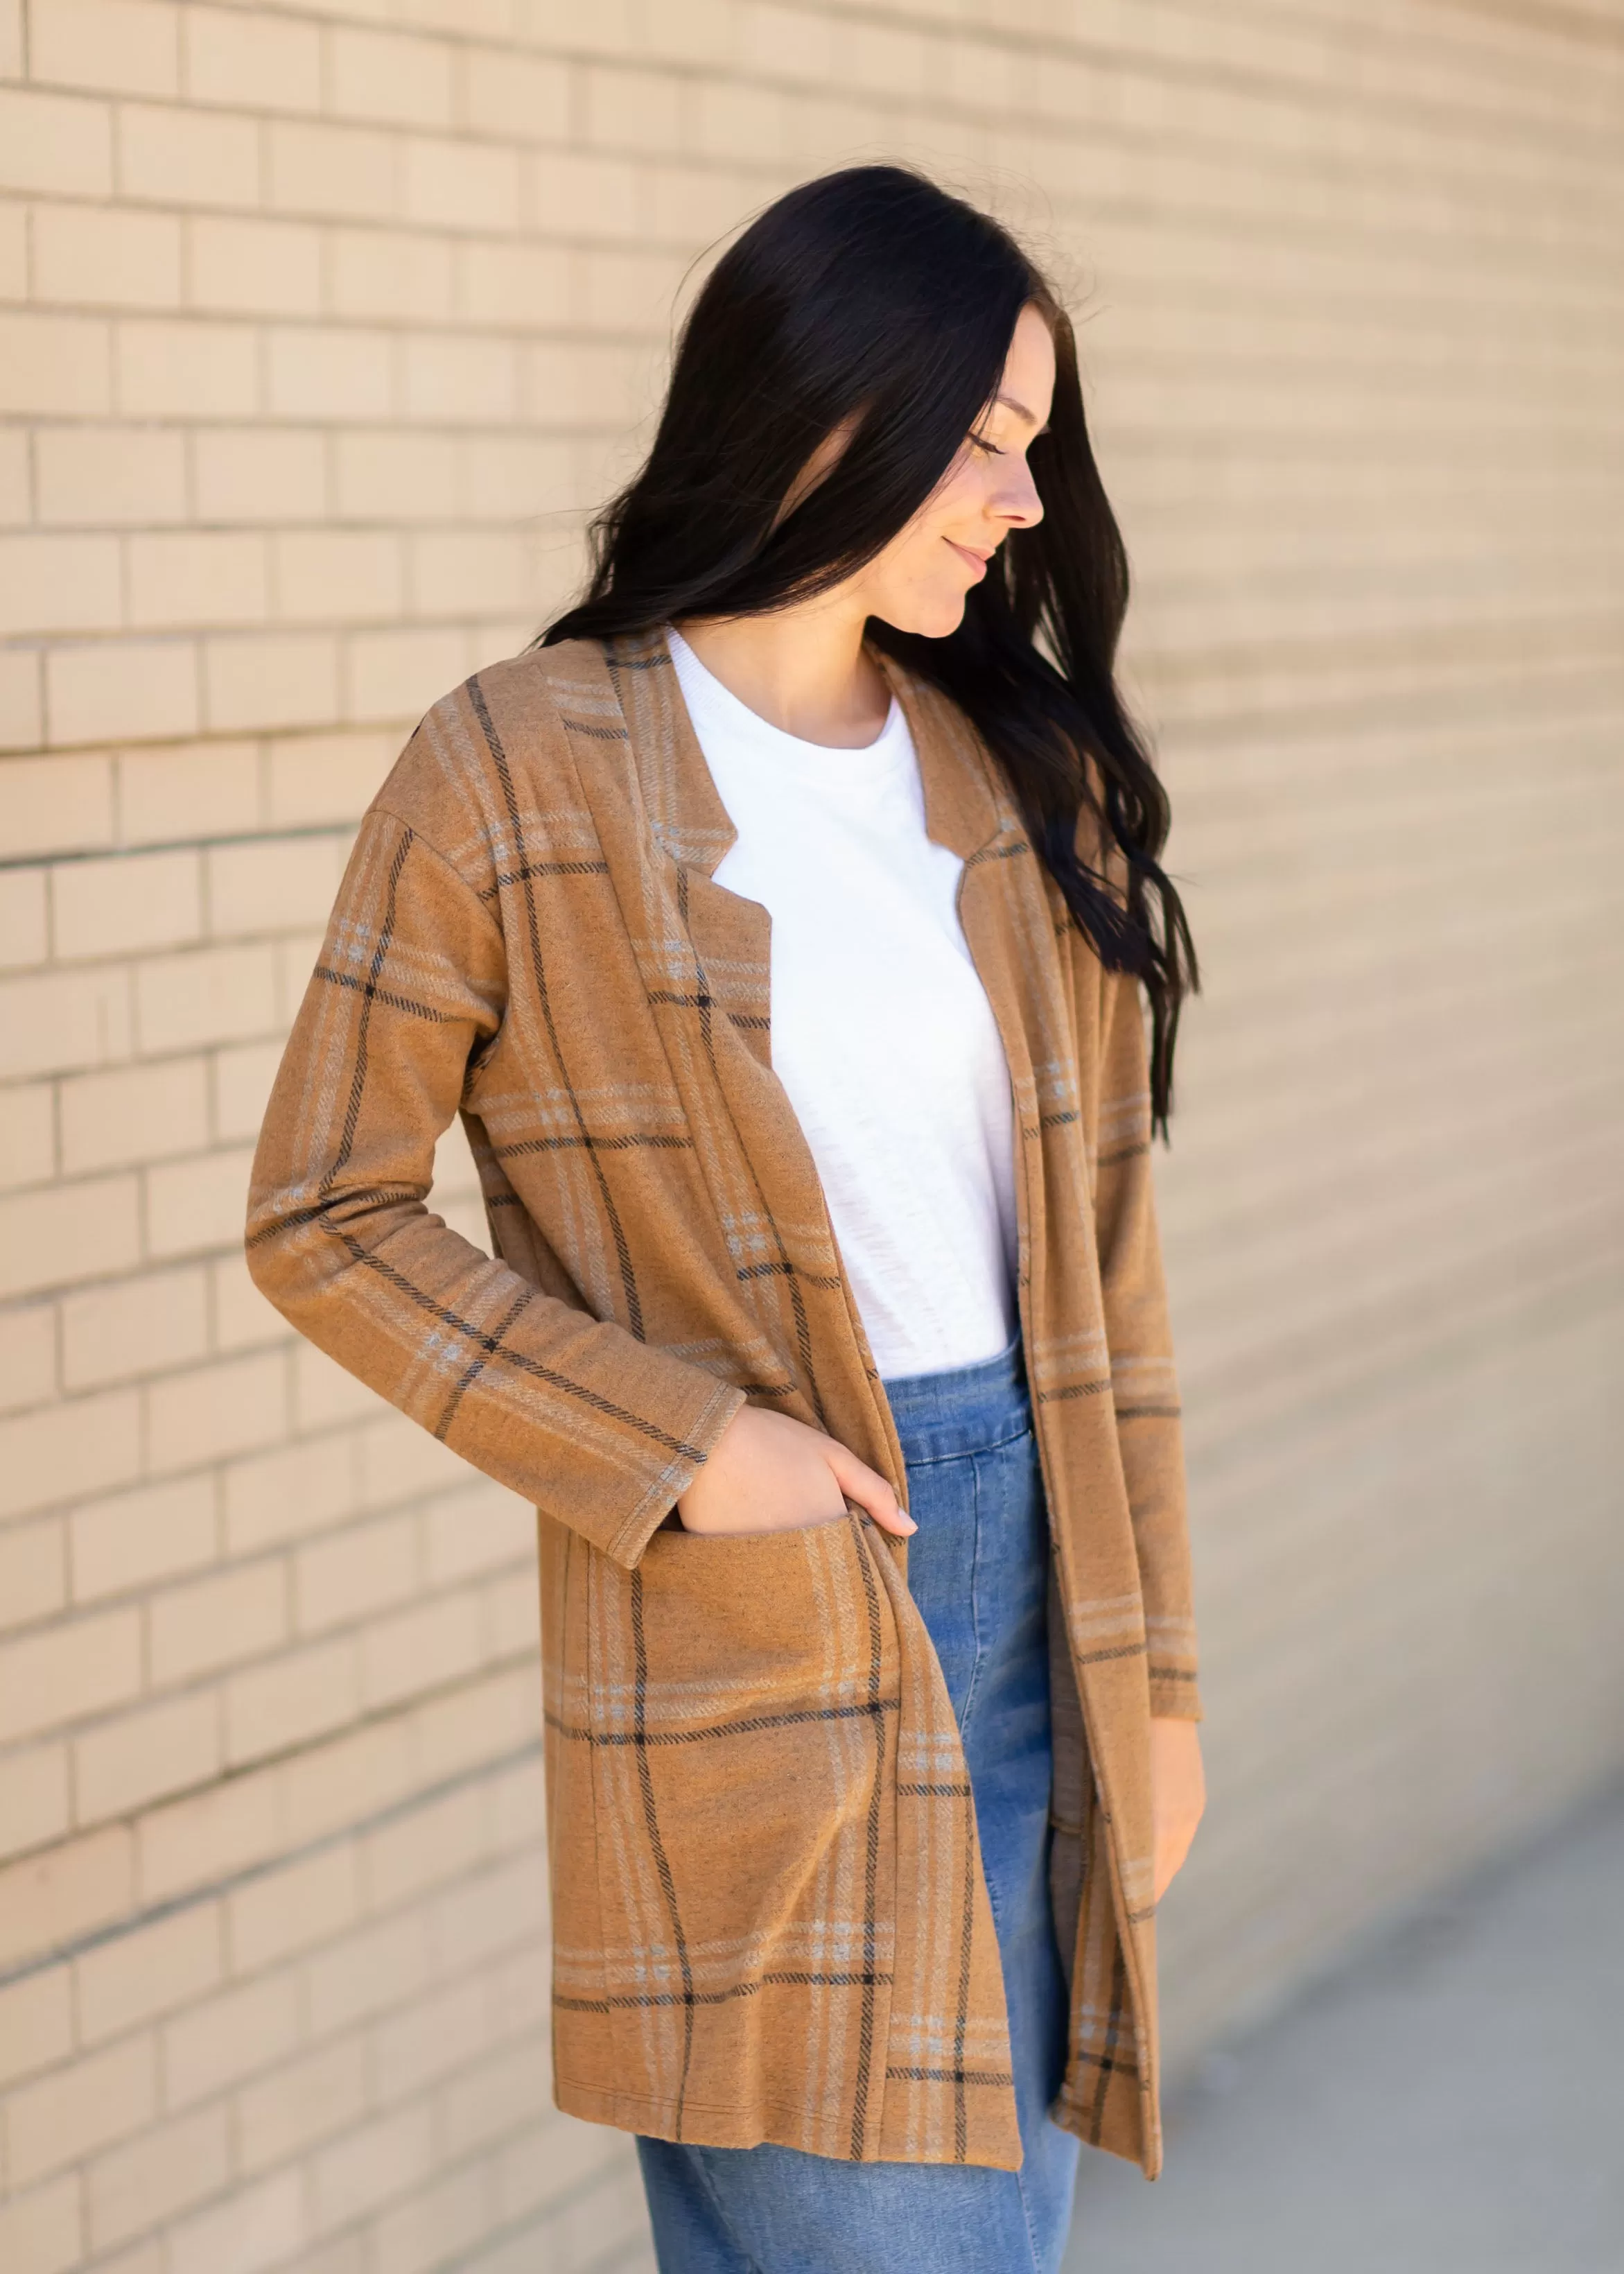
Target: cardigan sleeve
[
  {"x": 1144, "y": 1378},
  {"x": 574, "y": 1412}
]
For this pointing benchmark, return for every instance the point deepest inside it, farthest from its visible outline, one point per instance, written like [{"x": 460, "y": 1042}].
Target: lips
[{"x": 977, "y": 561}]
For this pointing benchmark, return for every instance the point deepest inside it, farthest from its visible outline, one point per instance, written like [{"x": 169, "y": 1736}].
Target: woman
[{"x": 778, "y": 927}]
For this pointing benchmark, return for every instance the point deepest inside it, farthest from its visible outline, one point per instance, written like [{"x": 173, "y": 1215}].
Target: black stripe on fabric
[
  {"x": 993, "y": 2076},
  {"x": 368, "y": 991},
  {"x": 1160, "y": 1673},
  {"x": 1121, "y": 1153},
  {"x": 777, "y": 1979},
  {"x": 657, "y": 1846},
  {"x": 871, "y": 1856},
  {"x": 493, "y": 743},
  {"x": 1123, "y": 1649},
  {"x": 752, "y": 1021},
  {"x": 375, "y": 994},
  {"x": 998, "y": 853},
  {"x": 1104, "y": 2060},
  {"x": 1075, "y": 1390},
  {"x": 526, "y": 869},
  {"x": 520, "y": 1360},
  {"x": 961, "y": 2137},
  {"x": 589, "y": 1143},
  {"x": 954, "y": 1791},
  {"x": 752, "y": 1725},
  {"x": 477, "y": 1365},
  {"x": 296, "y": 1219},
  {"x": 1058, "y": 1121},
  {"x": 1107, "y": 2064},
  {"x": 786, "y": 1270},
  {"x": 594, "y": 733},
  {"x": 1148, "y": 1412}
]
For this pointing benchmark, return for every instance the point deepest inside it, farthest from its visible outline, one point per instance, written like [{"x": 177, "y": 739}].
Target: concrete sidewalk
[{"x": 1452, "y": 2103}]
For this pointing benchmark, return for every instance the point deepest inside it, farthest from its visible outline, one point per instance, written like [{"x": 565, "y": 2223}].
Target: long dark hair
[{"x": 870, "y": 297}]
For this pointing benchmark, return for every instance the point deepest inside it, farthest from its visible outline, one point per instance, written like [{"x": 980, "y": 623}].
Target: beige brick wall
[{"x": 322, "y": 325}]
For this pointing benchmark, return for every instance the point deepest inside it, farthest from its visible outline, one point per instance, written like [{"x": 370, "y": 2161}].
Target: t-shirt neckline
[{"x": 868, "y": 765}]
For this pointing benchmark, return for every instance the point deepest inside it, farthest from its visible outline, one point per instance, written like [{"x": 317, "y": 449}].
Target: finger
[
  {"x": 1172, "y": 1854},
  {"x": 869, "y": 1490}
]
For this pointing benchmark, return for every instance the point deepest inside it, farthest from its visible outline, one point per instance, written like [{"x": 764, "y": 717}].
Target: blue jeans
[{"x": 978, "y": 1570}]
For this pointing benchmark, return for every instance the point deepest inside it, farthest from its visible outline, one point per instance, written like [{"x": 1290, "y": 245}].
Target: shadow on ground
[{"x": 1452, "y": 2103}]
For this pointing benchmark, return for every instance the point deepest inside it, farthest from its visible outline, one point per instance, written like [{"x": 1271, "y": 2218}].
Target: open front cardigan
[{"x": 770, "y": 1917}]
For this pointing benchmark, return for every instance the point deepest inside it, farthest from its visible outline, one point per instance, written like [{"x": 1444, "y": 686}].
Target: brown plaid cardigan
[{"x": 769, "y": 1913}]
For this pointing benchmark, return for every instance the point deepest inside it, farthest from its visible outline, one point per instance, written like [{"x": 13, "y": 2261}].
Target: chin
[{"x": 927, "y": 616}]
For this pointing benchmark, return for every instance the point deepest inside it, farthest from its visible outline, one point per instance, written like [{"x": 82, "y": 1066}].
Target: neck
[{"x": 803, "y": 669}]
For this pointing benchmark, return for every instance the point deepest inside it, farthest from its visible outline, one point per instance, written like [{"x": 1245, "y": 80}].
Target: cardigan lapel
[
  {"x": 730, "y": 934},
  {"x": 967, "y": 806}
]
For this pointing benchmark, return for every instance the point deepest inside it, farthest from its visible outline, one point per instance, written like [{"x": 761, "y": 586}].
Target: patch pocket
[
  {"x": 745, "y": 1707},
  {"x": 752, "y": 1627}
]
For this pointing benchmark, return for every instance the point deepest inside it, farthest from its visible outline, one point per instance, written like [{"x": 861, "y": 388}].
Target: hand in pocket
[{"x": 768, "y": 1473}]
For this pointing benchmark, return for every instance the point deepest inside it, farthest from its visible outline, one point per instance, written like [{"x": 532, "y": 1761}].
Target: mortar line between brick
[
  {"x": 152, "y": 1914},
  {"x": 299, "y": 832}
]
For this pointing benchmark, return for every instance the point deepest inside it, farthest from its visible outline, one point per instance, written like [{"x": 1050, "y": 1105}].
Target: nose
[{"x": 1017, "y": 501}]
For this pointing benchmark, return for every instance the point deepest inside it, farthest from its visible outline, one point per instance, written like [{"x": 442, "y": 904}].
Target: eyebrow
[{"x": 1010, "y": 404}]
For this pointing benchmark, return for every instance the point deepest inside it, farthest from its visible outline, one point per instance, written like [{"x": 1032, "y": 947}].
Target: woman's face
[{"x": 919, "y": 583}]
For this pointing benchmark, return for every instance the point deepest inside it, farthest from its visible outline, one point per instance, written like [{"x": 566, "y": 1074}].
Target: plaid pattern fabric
[{"x": 771, "y": 1920}]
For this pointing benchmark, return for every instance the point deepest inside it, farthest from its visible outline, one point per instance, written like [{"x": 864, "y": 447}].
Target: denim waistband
[{"x": 964, "y": 1409}]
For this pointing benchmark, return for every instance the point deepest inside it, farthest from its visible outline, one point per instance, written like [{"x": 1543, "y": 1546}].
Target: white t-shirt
[{"x": 881, "y": 1032}]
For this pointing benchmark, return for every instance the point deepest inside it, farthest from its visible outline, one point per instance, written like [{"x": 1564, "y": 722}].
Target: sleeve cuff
[
  {"x": 657, "y": 1502},
  {"x": 1174, "y": 1696}
]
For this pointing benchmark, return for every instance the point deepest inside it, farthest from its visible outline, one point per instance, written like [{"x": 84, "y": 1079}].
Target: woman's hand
[
  {"x": 768, "y": 1473},
  {"x": 1178, "y": 1795}
]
